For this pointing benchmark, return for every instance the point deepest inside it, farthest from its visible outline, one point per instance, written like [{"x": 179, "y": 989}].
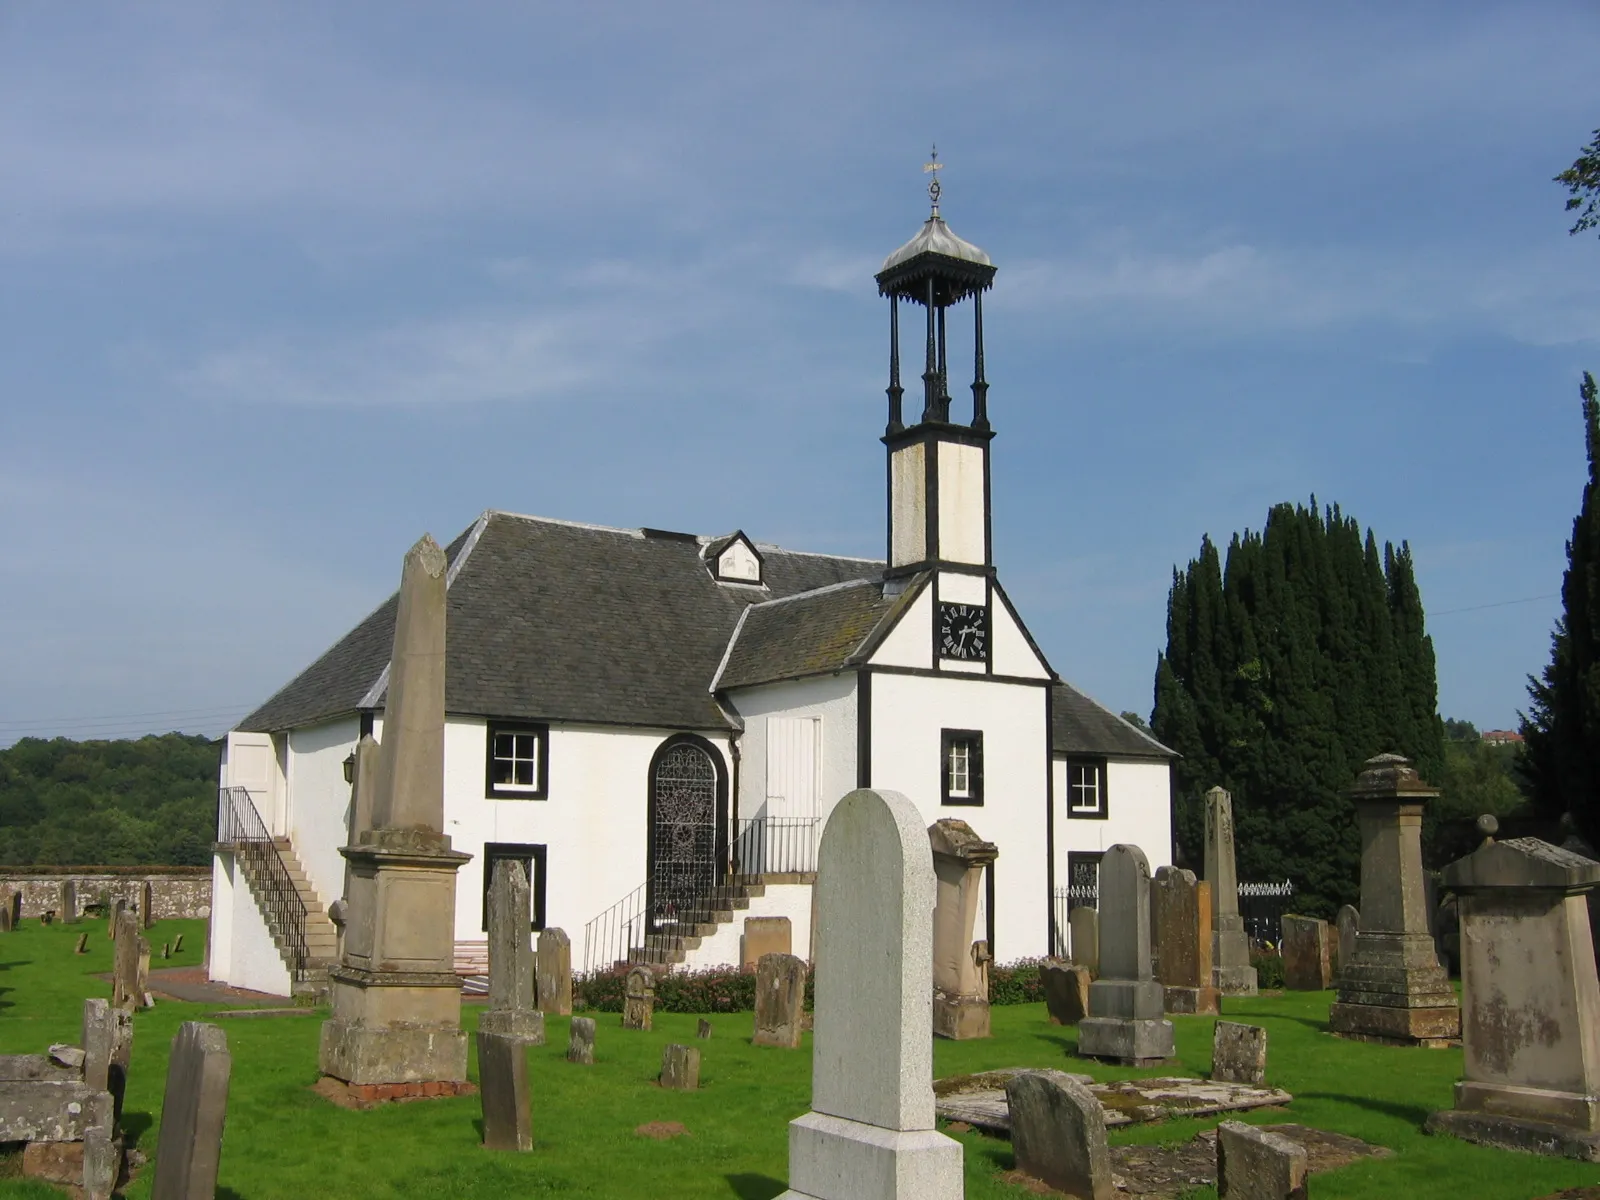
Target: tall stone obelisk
[
  {"x": 1230, "y": 948},
  {"x": 396, "y": 998}
]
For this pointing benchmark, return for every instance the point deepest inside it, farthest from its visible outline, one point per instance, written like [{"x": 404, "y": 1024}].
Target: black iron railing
[
  {"x": 1261, "y": 908},
  {"x": 241, "y": 829},
  {"x": 649, "y": 924},
  {"x": 775, "y": 846}
]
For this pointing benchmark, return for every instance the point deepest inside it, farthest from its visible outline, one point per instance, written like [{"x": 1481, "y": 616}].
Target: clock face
[{"x": 964, "y": 632}]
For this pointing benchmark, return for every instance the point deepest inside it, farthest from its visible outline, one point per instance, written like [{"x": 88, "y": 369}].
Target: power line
[
  {"x": 121, "y": 718},
  {"x": 1497, "y": 604}
]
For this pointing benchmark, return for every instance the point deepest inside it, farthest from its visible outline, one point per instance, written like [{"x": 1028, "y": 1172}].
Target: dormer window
[{"x": 734, "y": 559}]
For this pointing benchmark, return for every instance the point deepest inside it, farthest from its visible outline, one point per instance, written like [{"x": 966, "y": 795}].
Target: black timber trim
[
  {"x": 1028, "y": 637},
  {"x": 541, "y": 784},
  {"x": 720, "y": 765},
  {"x": 947, "y": 739},
  {"x": 1099, "y": 763},
  {"x": 938, "y": 430},
  {"x": 367, "y": 723},
  {"x": 988, "y": 524},
  {"x": 863, "y": 729},
  {"x": 974, "y": 676},
  {"x": 988, "y": 906},
  {"x": 1050, "y": 822},
  {"x": 713, "y": 557},
  {"x": 533, "y": 858}
]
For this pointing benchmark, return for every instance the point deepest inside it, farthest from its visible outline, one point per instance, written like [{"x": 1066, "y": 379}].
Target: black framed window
[
  {"x": 961, "y": 771},
  {"x": 518, "y": 762},
  {"x": 532, "y": 858},
  {"x": 1086, "y": 788}
]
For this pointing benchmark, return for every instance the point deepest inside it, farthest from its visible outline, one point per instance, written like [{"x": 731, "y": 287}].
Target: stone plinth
[
  {"x": 960, "y": 981},
  {"x": 763, "y": 936},
  {"x": 870, "y": 1134},
  {"x": 1530, "y": 1028},
  {"x": 1126, "y": 1004},
  {"x": 1233, "y": 974},
  {"x": 395, "y": 996},
  {"x": 1393, "y": 989},
  {"x": 1307, "y": 954},
  {"x": 1181, "y": 916},
  {"x": 1084, "y": 922}
]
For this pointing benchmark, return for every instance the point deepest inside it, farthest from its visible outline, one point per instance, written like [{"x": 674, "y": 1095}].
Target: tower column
[
  {"x": 896, "y": 392},
  {"x": 980, "y": 386},
  {"x": 930, "y": 372}
]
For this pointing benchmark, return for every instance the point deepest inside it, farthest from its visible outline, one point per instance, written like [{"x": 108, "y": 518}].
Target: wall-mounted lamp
[{"x": 350, "y": 768}]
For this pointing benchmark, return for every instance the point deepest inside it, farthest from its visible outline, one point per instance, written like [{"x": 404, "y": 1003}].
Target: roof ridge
[
  {"x": 830, "y": 587},
  {"x": 815, "y": 553},
  {"x": 501, "y": 512}
]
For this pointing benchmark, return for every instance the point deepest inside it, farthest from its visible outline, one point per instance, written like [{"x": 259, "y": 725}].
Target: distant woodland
[{"x": 124, "y": 803}]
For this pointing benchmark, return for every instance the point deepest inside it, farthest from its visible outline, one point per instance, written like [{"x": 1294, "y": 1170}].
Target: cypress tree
[
  {"x": 1562, "y": 727},
  {"x": 1288, "y": 665}
]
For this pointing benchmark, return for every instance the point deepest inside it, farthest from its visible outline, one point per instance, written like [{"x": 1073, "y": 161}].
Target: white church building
[{"x": 658, "y": 723}]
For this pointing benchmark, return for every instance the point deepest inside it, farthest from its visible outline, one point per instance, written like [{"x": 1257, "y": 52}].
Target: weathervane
[{"x": 933, "y": 168}]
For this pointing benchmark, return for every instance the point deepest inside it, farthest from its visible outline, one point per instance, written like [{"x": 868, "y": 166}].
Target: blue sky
[{"x": 282, "y": 286}]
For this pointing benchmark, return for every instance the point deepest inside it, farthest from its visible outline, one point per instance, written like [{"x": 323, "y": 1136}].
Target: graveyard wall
[
  {"x": 174, "y": 891},
  {"x": 1138, "y": 807},
  {"x": 594, "y": 823},
  {"x": 908, "y": 714},
  {"x": 832, "y": 698},
  {"x": 317, "y": 801}
]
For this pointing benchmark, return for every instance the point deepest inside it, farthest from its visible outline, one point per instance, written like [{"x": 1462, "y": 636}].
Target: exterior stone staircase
[
  {"x": 671, "y": 948},
  {"x": 321, "y": 938}
]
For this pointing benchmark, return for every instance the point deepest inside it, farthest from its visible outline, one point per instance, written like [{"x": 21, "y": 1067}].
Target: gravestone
[
  {"x": 166, "y": 949},
  {"x": 960, "y": 981},
  {"x": 1125, "y": 1022},
  {"x": 193, "y": 1111},
  {"x": 1058, "y": 1134},
  {"x": 1084, "y": 922},
  {"x": 680, "y": 1068},
  {"x": 511, "y": 1010},
  {"x": 81, "y": 946},
  {"x": 1066, "y": 992},
  {"x": 1346, "y": 923},
  {"x": 1257, "y": 1164},
  {"x": 6, "y": 925},
  {"x": 1238, "y": 1053},
  {"x": 127, "y": 990},
  {"x": 580, "y": 1041},
  {"x": 554, "y": 970},
  {"x": 1530, "y": 1027},
  {"x": 638, "y": 999},
  {"x": 1307, "y": 955},
  {"x": 1393, "y": 990},
  {"x": 870, "y": 1133},
  {"x": 780, "y": 1000},
  {"x": 395, "y": 996},
  {"x": 1230, "y": 947},
  {"x": 113, "y": 912},
  {"x": 1181, "y": 917},
  {"x": 147, "y": 905},
  {"x": 503, "y": 1089},
  {"x": 703, "y": 1029},
  {"x": 177, "y": 944},
  {"x": 107, "y": 1050},
  {"x": 763, "y": 936},
  {"x": 67, "y": 902}
]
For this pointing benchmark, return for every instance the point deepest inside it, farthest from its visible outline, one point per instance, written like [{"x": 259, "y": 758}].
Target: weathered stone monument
[
  {"x": 1126, "y": 1004},
  {"x": 81, "y": 946},
  {"x": 67, "y": 902},
  {"x": 763, "y": 936},
  {"x": 580, "y": 1041},
  {"x": 113, "y": 913},
  {"x": 554, "y": 972},
  {"x": 1181, "y": 915},
  {"x": 511, "y": 1010},
  {"x": 147, "y": 905},
  {"x": 7, "y": 923},
  {"x": 960, "y": 983},
  {"x": 639, "y": 999},
  {"x": 1530, "y": 1029},
  {"x": 1346, "y": 923},
  {"x": 1084, "y": 922},
  {"x": 1393, "y": 989},
  {"x": 395, "y": 996},
  {"x": 503, "y": 1090},
  {"x": 780, "y": 1001},
  {"x": 870, "y": 1134},
  {"x": 193, "y": 1111},
  {"x": 1238, "y": 1053},
  {"x": 702, "y": 1029},
  {"x": 1307, "y": 954},
  {"x": 1230, "y": 947},
  {"x": 680, "y": 1068},
  {"x": 1066, "y": 992},
  {"x": 107, "y": 1050},
  {"x": 1257, "y": 1164},
  {"x": 130, "y": 964},
  {"x": 1058, "y": 1133},
  {"x": 363, "y": 788}
]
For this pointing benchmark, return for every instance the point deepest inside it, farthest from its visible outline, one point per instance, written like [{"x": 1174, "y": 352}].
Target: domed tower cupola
[{"x": 938, "y": 469}]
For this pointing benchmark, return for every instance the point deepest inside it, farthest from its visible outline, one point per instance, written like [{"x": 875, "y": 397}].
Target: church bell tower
[{"x": 938, "y": 467}]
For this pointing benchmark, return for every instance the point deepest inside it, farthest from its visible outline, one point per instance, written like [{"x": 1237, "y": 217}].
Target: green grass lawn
[{"x": 282, "y": 1141}]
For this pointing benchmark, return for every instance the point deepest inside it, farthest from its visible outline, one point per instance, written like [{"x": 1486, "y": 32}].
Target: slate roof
[
  {"x": 811, "y": 634},
  {"x": 551, "y": 620},
  {"x": 1080, "y": 726}
]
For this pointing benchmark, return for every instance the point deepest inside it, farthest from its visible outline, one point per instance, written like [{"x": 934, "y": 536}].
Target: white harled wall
[
  {"x": 909, "y": 713},
  {"x": 1138, "y": 807},
  {"x": 832, "y": 698},
  {"x": 318, "y": 804}
]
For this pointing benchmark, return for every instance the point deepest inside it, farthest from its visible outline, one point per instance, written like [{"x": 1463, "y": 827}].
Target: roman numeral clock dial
[{"x": 964, "y": 632}]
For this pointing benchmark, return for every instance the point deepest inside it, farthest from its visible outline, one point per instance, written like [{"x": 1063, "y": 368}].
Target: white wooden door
[{"x": 794, "y": 767}]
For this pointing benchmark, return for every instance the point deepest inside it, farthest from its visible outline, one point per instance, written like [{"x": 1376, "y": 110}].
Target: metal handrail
[
  {"x": 241, "y": 829},
  {"x": 775, "y": 846}
]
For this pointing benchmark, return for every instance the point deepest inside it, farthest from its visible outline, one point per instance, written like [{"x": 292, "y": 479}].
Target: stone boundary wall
[{"x": 174, "y": 891}]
